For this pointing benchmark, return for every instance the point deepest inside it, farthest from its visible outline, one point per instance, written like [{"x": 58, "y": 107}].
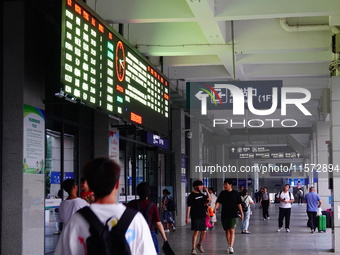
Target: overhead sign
[
  {"x": 259, "y": 92},
  {"x": 262, "y": 152},
  {"x": 157, "y": 140},
  {"x": 101, "y": 69}
]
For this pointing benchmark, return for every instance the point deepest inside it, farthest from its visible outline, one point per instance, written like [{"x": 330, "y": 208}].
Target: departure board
[{"x": 101, "y": 69}]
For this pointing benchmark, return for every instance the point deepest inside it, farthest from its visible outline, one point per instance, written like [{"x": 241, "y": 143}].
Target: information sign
[
  {"x": 101, "y": 69},
  {"x": 262, "y": 152}
]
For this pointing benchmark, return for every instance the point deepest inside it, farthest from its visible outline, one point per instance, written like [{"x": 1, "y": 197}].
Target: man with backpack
[
  {"x": 149, "y": 211},
  {"x": 286, "y": 199},
  {"x": 106, "y": 227},
  {"x": 299, "y": 196},
  {"x": 168, "y": 207}
]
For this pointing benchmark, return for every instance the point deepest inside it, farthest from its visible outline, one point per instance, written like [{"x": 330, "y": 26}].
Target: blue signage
[
  {"x": 302, "y": 182},
  {"x": 55, "y": 177},
  {"x": 183, "y": 161},
  {"x": 184, "y": 178},
  {"x": 156, "y": 140}
]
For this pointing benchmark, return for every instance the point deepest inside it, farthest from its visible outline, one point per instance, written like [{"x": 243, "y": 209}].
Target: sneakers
[
  {"x": 173, "y": 229},
  {"x": 287, "y": 230},
  {"x": 279, "y": 229},
  {"x": 268, "y": 218},
  {"x": 167, "y": 230},
  {"x": 231, "y": 250},
  {"x": 193, "y": 252},
  {"x": 312, "y": 231},
  {"x": 200, "y": 248}
]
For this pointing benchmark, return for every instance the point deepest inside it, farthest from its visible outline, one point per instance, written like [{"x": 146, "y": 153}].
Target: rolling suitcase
[
  {"x": 328, "y": 218},
  {"x": 321, "y": 223}
]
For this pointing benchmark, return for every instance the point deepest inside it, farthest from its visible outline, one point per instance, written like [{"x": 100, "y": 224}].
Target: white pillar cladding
[
  {"x": 322, "y": 136},
  {"x": 178, "y": 147},
  {"x": 335, "y": 141}
]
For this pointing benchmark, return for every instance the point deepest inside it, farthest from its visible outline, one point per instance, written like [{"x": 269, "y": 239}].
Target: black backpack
[
  {"x": 244, "y": 205},
  {"x": 279, "y": 194},
  {"x": 104, "y": 242},
  {"x": 146, "y": 213},
  {"x": 170, "y": 205}
]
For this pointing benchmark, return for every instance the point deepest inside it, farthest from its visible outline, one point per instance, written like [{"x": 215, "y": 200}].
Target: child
[
  {"x": 209, "y": 214},
  {"x": 86, "y": 193}
]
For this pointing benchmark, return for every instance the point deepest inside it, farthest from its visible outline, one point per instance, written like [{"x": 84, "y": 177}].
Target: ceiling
[{"x": 219, "y": 40}]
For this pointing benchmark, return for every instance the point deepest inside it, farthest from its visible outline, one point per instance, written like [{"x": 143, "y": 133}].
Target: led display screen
[{"x": 101, "y": 69}]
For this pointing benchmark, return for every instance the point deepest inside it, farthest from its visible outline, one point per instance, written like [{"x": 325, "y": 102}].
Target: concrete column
[
  {"x": 12, "y": 136},
  {"x": 322, "y": 135},
  {"x": 196, "y": 149},
  {"x": 221, "y": 151},
  {"x": 178, "y": 147},
  {"x": 313, "y": 158},
  {"x": 335, "y": 142}
]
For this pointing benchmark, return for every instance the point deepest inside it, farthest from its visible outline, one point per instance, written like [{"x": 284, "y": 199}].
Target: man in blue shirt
[{"x": 313, "y": 203}]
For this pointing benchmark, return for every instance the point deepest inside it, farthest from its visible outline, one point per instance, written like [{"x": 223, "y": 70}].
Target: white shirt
[
  {"x": 247, "y": 199},
  {"x": 213, "y": 200},
  {"x": 74, "y": 235},
  {"x": 285, "y": 196},
  {"x": 68, "y": 207}
]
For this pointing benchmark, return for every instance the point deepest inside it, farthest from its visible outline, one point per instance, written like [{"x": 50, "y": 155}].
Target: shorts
[
  {"x": 167, "y": 217},
  {"x": 198, "y": 224},
  {"x": 229, "y": 223}
]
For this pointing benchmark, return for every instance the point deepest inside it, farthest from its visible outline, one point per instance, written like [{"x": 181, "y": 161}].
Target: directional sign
[
  {"x": 211, "y": 95},
  {"x": 262, "y": 152}
]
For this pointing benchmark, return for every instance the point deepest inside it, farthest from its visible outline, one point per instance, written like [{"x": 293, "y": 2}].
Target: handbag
[
  {"x": 167, "y": 249},
  {"x": 319, "y": 212}
]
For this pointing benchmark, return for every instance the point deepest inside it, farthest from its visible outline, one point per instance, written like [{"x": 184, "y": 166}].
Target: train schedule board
[{"x": 99, "y": 68}]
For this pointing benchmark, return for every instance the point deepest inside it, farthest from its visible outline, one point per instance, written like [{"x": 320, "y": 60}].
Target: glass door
[{"x": 60, "y": 165}]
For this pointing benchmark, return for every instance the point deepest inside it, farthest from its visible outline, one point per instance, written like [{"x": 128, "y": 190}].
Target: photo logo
[
  {"x": 203, "y": 97},
  {"x": 238, "y": 102}
]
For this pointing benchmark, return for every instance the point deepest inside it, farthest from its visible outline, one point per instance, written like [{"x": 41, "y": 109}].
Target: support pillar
[
  {"x": 178, "y": 146},
  {"x": 335, "y": 155},
  {"x": 322, "y": 136}
]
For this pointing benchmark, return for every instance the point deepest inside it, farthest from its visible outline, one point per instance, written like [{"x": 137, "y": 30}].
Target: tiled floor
[{"x": 263, "y": 238}]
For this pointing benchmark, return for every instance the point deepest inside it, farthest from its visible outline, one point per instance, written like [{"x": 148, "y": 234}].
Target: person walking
[
  {"x": 265, "y": 203},
  {"x": 248, "y": 201},
  {"x": 150, "y": 212},
  {"x": 231, "y": 205},
  {"x": 102, "y": 175},
  {"x": 313, "y": 203},
  {"x": 166, "y": 213},
  {"x": 260, "y": 196},
  {"x": 286, "y": 199},
  {"x": 299, "y": 196},
  {"x": 257, "y": 200},
  {"x": 213, "y": 197},
  {"x": 197, "y": 211}
]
